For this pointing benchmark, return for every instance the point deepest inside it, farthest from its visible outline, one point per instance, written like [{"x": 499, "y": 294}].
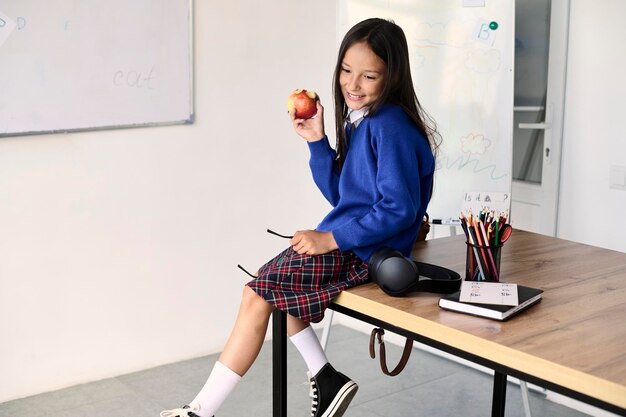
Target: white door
[{"x": 541, "y": 28}]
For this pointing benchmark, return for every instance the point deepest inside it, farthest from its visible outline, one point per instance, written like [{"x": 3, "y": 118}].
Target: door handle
[
  {"x": 534, "y": 125},
  {"x": 546, "y": 124}
]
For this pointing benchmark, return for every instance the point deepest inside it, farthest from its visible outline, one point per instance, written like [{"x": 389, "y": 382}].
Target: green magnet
[{"x": 493, "y": 25}]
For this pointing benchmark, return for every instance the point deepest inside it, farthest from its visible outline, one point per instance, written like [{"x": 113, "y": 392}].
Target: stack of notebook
[{"x": 470, "y": 299}]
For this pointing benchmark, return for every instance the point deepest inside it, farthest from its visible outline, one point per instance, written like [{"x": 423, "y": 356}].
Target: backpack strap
[{"x": 378, "y": 333}]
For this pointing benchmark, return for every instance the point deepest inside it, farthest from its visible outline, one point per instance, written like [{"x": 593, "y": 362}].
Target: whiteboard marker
[{"x": 448, "y": 221}]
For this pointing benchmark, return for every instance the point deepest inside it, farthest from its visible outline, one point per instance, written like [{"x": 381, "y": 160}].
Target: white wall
[
  {"x": 594, "y": 134},
  {"x": 119, "y": 248}
]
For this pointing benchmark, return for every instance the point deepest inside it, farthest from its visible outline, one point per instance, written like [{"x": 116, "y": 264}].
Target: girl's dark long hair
[{"x": 388, "y": 42}]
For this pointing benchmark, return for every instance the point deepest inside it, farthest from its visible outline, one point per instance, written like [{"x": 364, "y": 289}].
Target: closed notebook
[{"x": 527, "y": 297}]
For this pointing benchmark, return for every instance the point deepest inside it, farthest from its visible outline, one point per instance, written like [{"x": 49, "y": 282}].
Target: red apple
[{"x": 304, "y": 102}]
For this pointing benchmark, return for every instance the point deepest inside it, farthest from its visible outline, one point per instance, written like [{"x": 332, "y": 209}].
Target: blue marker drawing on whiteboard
[
  {"x": 470, "y": 163},
  {"x": 474, "y": 146},
  {"x": 450, "y": 33},
  {"x": 21, "y": 23},
  {"x": 6, "y": 27}
]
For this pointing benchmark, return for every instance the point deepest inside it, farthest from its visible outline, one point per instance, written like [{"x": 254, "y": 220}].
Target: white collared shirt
[{"x": 356, "y": 116}]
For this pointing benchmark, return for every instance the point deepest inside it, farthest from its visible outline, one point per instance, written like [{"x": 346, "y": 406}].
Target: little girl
[{"x": 378, "y": 180}]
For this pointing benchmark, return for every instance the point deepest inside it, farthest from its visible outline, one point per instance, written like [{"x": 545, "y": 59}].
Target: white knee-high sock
[
  {"x": 309, "y": 346},
  {"x": 221, "y": 383}
]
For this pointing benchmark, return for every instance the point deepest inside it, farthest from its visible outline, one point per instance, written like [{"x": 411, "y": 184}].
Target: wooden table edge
[{"x": 601, "y": 389}]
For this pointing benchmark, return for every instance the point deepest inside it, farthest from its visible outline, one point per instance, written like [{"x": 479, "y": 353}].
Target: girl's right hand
[{"x": 311, "y": 129}]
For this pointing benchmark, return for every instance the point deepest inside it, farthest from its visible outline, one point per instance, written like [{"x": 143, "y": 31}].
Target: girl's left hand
[{"x": 312, "y": 242}]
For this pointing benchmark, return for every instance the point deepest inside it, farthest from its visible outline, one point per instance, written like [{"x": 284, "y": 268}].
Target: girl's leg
[
  {"x": 240, "y": 352},
  {"x": 305, "y": 340},
  {"x": 248, "y": 334}
]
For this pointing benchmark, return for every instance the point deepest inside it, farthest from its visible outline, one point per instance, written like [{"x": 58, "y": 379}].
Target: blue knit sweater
[{"x": 381, "y": 194}]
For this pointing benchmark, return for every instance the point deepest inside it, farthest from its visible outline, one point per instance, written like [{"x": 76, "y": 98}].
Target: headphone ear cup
[
  {"x": 377, "y": 259},
  {"x": 393, "y": 273}
]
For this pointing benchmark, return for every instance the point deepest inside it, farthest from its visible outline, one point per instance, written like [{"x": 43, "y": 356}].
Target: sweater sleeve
[
  {"x": 324, "y": 169},
  {"x": 398, "y": 186}
]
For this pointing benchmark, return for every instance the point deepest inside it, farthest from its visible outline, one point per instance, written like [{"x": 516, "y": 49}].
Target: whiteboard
[
  {"x": 462, "y": 67},
  {"x": 89, "y": 64}
]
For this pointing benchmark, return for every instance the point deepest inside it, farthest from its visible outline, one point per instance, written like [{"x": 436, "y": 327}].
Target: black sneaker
[
  {"x": 331, "y": 392},
  {"x": 186, "y": 411}
]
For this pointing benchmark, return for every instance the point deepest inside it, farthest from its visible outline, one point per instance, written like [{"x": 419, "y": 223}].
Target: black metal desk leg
[
  {"x": 279, "y": 363},
  {"x": 499, "y": 394}
]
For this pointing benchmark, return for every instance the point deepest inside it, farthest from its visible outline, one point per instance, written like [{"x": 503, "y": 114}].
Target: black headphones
[{"x": 397, "y": 275}]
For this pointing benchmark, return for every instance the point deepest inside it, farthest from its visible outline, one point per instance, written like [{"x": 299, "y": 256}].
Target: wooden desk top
[{"x": 575, "y": 337}]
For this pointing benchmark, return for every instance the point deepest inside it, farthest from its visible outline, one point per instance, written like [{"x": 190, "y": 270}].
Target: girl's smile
[{"x": 354, "y": 97}]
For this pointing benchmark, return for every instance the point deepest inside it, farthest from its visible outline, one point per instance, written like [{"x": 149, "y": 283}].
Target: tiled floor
[{"x": 429, "y": 386}]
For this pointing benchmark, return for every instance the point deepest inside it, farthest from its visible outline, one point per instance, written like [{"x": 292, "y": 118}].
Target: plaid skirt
[{"x": 304, "y": 285}]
